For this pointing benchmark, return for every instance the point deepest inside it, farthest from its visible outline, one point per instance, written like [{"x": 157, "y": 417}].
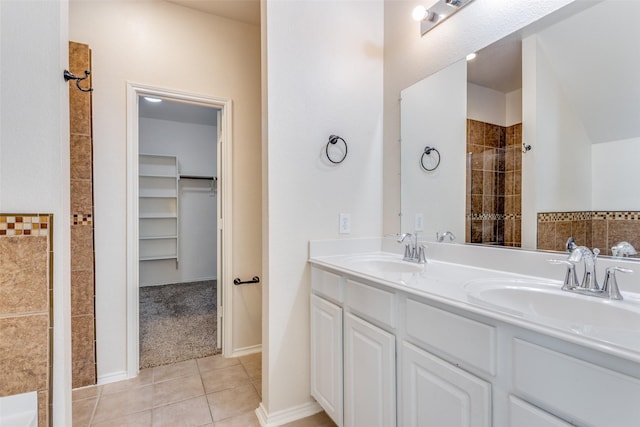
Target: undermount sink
[
  {"x": 531, "y": 299},
  {"x": 385, "y": 265}
]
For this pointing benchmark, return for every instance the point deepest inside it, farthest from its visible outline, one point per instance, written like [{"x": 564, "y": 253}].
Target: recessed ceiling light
[
  {"x": 471, "y": 56},
  {"x": 152, "y": 99}
]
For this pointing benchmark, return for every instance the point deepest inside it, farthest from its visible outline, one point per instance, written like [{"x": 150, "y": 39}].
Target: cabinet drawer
[
  {"x": 579, "y": 391},
  {"x": 522, "y": 414},
  {"x": 327, "y": 284},
  {"x": 372, "y": 303},
  {"x": 462, "y": 339}
]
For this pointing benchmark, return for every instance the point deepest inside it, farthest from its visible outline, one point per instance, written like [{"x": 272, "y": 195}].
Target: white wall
[
  {"x": 409, "y": 58},
  {"x": 172, "y": 47},
  {"x": 434, "y": 113},
  {"x": 492, "y": 106},
  {"x": 34, "y": 151},
  {"x": 557, "y": 171},
  {"x": 486, "y": 105},
  {"x": 195, "y": 147},
  {"x": 615, "y": 175},
  {"x": 513, "y": 107},
  {"x": 324, "y": 76}
]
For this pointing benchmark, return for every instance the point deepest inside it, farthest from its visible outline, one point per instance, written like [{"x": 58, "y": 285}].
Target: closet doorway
[{"x": 176, "y": 298}]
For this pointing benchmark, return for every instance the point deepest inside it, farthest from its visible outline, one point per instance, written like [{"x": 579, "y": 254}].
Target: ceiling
[
  {"x": 178, "y": 112},
  {"x": 498, "y": 66},
  {"x": 247, "y": 11}
]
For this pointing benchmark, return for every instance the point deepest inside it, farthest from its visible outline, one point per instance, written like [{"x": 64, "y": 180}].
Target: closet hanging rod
[{"x": 208, "y": 178}]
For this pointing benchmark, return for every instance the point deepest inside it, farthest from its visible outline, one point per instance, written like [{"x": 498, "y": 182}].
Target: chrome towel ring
[
  {"x": 433, "y": 161},
  {"x": 333, "y": 140}
]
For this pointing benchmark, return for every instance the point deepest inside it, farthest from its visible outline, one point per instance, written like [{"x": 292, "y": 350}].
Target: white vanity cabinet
[
  {"x": 385, "y": 355},
  {"x": 437, "y": 393},
  {"x": 369, "y": 374},
  {"x": 326, "y": 356}
]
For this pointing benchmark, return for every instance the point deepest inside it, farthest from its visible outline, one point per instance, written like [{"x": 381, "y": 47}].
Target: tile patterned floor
[{"x": 208, "y": 392}]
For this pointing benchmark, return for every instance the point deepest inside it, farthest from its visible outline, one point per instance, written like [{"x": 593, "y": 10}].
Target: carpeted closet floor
[{"x": 177, "y": 322}]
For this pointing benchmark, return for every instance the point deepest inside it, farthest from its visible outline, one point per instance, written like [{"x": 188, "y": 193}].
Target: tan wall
[{"x": 161, "y": 44}]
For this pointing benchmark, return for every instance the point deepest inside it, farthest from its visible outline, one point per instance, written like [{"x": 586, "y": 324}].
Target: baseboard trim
[
  {"x": 113, "y": 377},
  {"x": 245, "y": 351},
  {"x": 285, "y": 416}
]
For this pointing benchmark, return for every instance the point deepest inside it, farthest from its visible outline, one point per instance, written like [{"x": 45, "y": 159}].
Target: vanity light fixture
[
  {"x": 439, "y": 12},
  {"x": 152, "y": 99},
  {"x": 471, "y": 56}
]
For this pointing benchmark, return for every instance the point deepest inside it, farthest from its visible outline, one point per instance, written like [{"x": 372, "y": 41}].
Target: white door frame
[{"x": 224, "y": 241}]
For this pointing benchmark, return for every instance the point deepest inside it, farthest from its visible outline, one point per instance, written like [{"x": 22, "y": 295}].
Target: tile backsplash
[
  {"x": 594, "y": 229},
  {"x": 26, "y": 314}
]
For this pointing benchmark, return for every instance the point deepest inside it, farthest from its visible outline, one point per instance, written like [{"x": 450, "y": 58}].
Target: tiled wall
[
  {"x": 594, "y": 229},
  {"x": 26, "y": 313},
  {"x": 82, "y": 255},
  {"x": 494, "y": 165}
]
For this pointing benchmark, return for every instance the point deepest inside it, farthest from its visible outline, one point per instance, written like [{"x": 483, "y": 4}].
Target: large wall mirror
[{"x": 538, "y": 137}]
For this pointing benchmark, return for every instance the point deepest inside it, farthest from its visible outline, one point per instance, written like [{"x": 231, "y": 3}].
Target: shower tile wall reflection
[
  {"x": 493, "y": 214},
  {"x": 594, "y": 229}
]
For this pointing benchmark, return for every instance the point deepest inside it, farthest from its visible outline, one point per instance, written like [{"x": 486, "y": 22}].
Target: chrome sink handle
[
  {"x": 610, "y": 286},
  {"x": 570, "y": 278}
]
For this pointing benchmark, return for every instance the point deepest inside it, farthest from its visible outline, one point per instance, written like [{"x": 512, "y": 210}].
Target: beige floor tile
[
  {"x": 180, "y": 369},
  {"x": 216, "y": 362},
  {"x": 144, "y": 378},
  {"x": 188, "y": 413},
  {"x": 221, "y": 379},
  {"x": 257, "y": 383},
  {"x": 246, "y": 419},
  {"x": 253, "y": 368},
  {"x": 321, "y": 419},
  {"x": 86, "y": 392},
  {"x": 255, "y": 357},
  {"x": 232, "y": 402},
  {"x": 139, "y": 419},
  {"x": 82, "y": 411},
  {"x": 127, "y": 402},
  {"x": 177, "y": 389}
]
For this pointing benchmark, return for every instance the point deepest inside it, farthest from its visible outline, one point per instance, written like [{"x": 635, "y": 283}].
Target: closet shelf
[
  {"x": 156, "y": 258},
  {"x": 157, "y": 237},
  {"x": 148, "y": 175},
  {"x": 158, "y": 201},
  {"x": 157, "y": 216},
  {"x": 203, "y": 177}
]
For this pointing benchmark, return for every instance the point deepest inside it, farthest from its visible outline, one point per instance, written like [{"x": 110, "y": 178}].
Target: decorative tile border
[
  {"x": 588, "y": 215},
  {"x": 493, "y": 216},
  {"x": 24, "y": 225},
  {"x": 81, "y": 219}
]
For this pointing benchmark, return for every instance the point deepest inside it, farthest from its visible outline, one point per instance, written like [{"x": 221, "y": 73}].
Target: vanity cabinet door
[
  {"x": 436, "y": 393},
  {"x": 326, "y": 356},
  {"x": 369, "y": 375}
]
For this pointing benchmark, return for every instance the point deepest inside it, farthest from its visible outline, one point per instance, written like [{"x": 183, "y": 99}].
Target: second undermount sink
[
  {"x": 383, "y": 265},
  {"x": 545, "y": 301}
]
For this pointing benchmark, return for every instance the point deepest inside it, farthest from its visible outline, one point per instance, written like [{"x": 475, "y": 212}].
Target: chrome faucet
[
  {"x": 441, "y": 237},
  {"x": 589, "y": 283},
  {"x": 584, "y": 254},
  {"x": 413, "y": 252}
]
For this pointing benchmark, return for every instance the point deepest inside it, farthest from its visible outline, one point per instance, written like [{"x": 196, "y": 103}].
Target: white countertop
[{"x": 448, "y": 283}]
